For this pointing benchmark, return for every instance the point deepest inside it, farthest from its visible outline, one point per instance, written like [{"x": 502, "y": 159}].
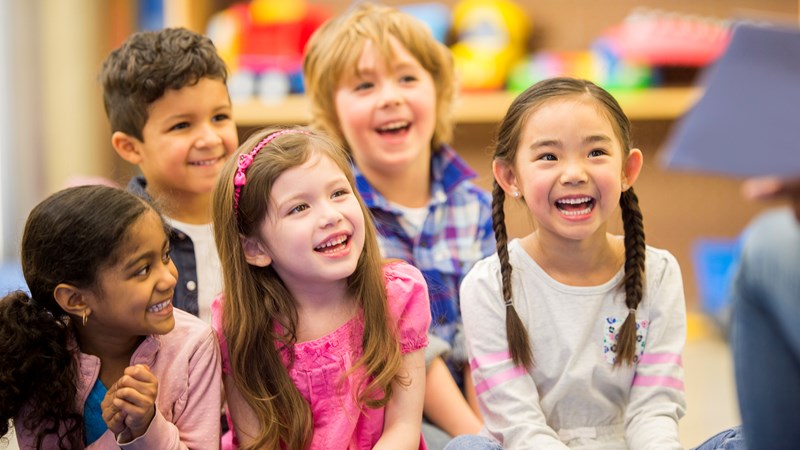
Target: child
[
  {"x": 383, "y": 86},
  {"x": 96, "y": 356},
  {"x": 167, "y": 101},
  {"x": 593, "y": 325},
  {"x": 322, "y": 342}
]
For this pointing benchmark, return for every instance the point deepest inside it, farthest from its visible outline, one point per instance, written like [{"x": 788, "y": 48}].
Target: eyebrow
[
  {"x": 145, "y": 256},
  {"x": 591, "y": 139},
  {"x": 183, "y": 116},
  {"x": 138, "y": 259},
  {"x": 301, "y": 196}
]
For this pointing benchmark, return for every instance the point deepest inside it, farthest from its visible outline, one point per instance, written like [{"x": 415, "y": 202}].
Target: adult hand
[{"x": 768, "y": 188}]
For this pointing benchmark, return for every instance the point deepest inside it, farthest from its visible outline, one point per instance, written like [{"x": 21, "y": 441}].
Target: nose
[
  {"x": 168, "y": 277},
  {"x": 574, "y": 172},
  {"x": 208, "y": 137},
  {"x": 390, "y": 95},
  {"x": 329, "y": 215}
]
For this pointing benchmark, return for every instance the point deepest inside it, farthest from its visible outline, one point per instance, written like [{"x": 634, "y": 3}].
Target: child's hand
[
  {"x": 135, "y": 398},
  {"x": 112, "y": 416}
]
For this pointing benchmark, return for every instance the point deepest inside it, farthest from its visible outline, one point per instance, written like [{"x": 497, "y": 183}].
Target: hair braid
[
  {"x": 517, "y": 335},
  {"x": 634, "y": 274}
]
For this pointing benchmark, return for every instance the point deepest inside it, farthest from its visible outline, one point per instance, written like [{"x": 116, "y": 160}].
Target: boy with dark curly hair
[{"x": 166, "y": 98}]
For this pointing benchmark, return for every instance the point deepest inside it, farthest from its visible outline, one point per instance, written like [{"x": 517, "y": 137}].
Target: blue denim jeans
[
  {"x": 765, "y": 333},
  {"x": 472, "y": 442},
  {"x": 731, "y": 439}
]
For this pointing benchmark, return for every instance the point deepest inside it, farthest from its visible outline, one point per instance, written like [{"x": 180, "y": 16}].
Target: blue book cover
[{"x": 747, "y": 123}]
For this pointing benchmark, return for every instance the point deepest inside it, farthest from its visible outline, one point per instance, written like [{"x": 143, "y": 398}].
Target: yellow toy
[{"x": 491, "y": 38}]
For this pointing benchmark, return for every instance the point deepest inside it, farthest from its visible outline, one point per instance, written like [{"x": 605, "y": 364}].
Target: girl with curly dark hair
[{"x": 95, "y": 356}]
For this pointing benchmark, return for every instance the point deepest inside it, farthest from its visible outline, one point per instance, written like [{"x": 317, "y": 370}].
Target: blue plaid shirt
[{"x": 456, "y": 234}]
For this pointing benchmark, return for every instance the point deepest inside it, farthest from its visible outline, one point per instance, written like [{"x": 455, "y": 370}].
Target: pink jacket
[{"x": 187, "y": 363}]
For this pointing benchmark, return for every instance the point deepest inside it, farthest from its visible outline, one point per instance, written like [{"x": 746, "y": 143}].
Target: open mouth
[
  {"x": 159, "y": 306},
  {"x": 575, "y": 206},
  {"x": 334, "y": 245},
  {"x": 394, "y": 128}
]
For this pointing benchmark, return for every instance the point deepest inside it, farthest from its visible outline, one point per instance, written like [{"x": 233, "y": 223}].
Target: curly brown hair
[{"x": 149, "y": 63}]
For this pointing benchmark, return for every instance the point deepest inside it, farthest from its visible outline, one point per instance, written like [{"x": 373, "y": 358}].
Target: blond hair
[
  {"x": 334, "y": 49},
  {"x": 256, "y": 299}
]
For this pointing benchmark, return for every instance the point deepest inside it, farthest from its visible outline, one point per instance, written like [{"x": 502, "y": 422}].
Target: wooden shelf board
[{"x": 483, "y": 107}]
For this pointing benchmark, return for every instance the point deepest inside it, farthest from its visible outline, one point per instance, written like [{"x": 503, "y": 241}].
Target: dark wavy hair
[
  {"x": 148, "y": 64},
  {"x": 68, "y": 238}
]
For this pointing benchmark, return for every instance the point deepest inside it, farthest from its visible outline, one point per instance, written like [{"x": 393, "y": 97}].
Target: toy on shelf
[
  {"x": 262, "y": 43},
  {"x": 660, "y": 38},
  {"x": 637, "y": 53},
  {"x": 491, "y": 36},
  {"x": 598, "y": 65},
  {"x": 435, "y": 15}
]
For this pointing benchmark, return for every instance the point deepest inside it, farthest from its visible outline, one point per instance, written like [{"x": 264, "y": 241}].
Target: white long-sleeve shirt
[{"x": 574, "y": 397}]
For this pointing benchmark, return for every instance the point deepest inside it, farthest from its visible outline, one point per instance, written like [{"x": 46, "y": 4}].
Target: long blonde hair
[
  {"x": 334, "y": 49},
  {"x": 506, "y": 146},
  {"x": 256, "y": 299}
]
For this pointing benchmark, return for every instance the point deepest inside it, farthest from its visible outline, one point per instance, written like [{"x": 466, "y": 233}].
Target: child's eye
[
  {"x": 179, "y": 126},
  {"x": 220, "y": 117},
  {"x": 339, "y": 193},
  {"x": 597, "y": 152},
  {"x": 143, "y": 271},
  {"x": 363, "y": 86},
  {"x": 166, "y": 257},
  {"x": 548, "y": 157},
  {"x": 298, "y": 209},
  {"x": 408, "y": 79}
]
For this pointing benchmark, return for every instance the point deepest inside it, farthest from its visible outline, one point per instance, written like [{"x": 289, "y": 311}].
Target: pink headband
[{"x": 245, "y": 159}]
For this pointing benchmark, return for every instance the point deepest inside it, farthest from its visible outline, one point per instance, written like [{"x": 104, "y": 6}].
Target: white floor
[{"x": 710, "y": 390}]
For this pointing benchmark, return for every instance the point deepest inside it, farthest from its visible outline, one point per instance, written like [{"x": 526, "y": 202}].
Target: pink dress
[{"x": 320, "y": 365}]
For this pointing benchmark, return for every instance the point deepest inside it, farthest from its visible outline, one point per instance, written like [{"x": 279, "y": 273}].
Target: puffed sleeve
[
  {"x": 216, "y": 323},
  {"x": 407, "y": 295}
]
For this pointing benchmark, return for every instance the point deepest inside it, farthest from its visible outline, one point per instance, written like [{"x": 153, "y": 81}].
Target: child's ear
[
  {"x": 632, "y": 168},
  {"x": 505, "y": 177},
  {"x": 255, "y": 252},
  {"x": 127, "y": 147},
  {"x": 72, "y": 300}
]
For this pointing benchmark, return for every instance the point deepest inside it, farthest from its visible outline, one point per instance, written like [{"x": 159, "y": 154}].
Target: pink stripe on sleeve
[
  {"x": 489, "y": 359},
  {"x": 661, "y": 358},
  {"x": 501, "y": 377},
  {"x": 655, "y": 380}
]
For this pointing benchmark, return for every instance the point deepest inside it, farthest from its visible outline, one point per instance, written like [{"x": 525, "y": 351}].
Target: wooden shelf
[{"x": 485, "y": 107}]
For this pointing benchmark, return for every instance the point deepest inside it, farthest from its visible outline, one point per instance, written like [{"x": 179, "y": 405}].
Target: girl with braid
[{"x": 574, "y": 334}]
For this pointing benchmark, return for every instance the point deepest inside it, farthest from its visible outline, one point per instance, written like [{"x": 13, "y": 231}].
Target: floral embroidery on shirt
[{"x": 610, "y": 334}]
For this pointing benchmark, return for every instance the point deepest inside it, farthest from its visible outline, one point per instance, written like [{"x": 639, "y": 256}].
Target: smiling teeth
[
  {"x": 332, "y": 243},
  {"x": 208, "y": 162},
  {"x": 393, "y": 126},
  {"x": 574, "y": 201},
  {"x": 159, "y": 306},
  {"x": 586, "y": 210}
]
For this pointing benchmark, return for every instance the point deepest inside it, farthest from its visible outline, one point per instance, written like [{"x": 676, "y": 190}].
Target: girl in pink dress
[{"x": 322, "y": 340}]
